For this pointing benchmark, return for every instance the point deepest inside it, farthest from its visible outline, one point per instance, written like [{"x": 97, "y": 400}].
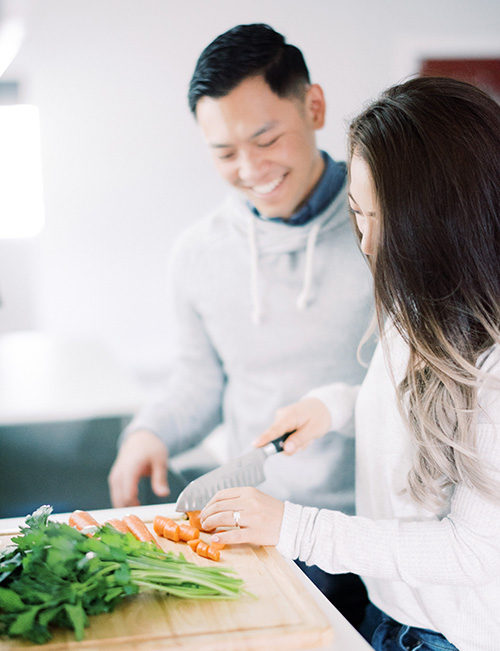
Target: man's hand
[
  {"x": 141, "y": 455},
  {"x": 309, "y": 417}
]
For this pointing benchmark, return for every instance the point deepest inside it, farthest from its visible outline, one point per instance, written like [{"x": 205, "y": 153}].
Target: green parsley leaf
[{"x": 10, "y": 601}]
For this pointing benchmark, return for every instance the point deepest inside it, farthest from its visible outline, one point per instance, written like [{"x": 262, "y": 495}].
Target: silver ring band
[{"x": 236, "y": 518}]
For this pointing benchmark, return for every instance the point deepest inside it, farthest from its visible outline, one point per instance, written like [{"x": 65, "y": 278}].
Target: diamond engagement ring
[{"x": 236, "y": 517}]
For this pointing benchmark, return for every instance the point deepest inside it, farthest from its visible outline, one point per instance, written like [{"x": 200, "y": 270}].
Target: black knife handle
[{"x": 278, "y": 443}]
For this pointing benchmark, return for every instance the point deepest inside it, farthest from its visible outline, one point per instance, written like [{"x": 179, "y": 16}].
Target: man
[{"x": 272, "y": 293}]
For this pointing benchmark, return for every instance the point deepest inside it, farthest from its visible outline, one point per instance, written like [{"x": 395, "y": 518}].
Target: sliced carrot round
[
  {"x": 194, "y": 519},
  {"x": 213, "y": 554},
  {"x": 194, "y": 543},
  {"x": 217, "y": 545},
  {"x": 159, "y": 523},
  {"x": 202, "y": 549},
  {"x": 171, "y": 530},
  {"x": 187, "y": 532}
]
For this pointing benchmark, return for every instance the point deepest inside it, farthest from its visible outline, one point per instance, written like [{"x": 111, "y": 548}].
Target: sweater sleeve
[
  {"x": 340, "y": 400},
  {"x": 190, "y": 407},
  {"x": 462, "y": 548}
]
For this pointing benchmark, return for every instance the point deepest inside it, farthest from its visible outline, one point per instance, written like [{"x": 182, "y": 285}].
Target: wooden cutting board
[{"x": 282, "y": 616}]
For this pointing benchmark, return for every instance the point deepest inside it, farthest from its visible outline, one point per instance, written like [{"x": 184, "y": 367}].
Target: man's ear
[{"x": 316, "y": 105}]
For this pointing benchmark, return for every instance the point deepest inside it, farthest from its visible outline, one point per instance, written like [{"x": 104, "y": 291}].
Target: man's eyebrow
[
  {"x": 216, "y": 145},
  {"x": 267, "y": 127},
  {"x": 263, "y": 129}
]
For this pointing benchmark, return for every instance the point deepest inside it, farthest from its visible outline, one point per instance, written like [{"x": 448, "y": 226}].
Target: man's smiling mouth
[{"x": 267, "y": 188}]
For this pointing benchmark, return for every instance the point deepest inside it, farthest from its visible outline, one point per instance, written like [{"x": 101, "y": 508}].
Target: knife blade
[{"x": 246, "y": 470}]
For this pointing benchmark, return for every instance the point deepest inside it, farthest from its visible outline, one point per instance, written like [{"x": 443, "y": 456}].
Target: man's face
[{"x": 264, "y": 145}]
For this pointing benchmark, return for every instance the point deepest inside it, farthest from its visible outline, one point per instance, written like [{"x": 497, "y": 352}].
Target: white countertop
[
  {"x": 346, "y": 638},
  {"x": 48, "y": 378}
]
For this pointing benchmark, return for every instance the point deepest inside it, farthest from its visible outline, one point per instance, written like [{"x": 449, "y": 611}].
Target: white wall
[{"x": 124, "y": 167}]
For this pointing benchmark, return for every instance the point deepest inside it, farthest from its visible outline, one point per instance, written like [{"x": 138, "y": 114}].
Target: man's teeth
[{"x": 268, "y": 187}]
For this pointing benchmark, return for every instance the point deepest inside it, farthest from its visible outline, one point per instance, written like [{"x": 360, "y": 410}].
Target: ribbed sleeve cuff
[{"x": 290, "y": 525}]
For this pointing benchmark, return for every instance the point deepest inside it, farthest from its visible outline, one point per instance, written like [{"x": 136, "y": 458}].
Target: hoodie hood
[
  {"x": 275, "y": 237},
  {"x": 278, "y": 237}
]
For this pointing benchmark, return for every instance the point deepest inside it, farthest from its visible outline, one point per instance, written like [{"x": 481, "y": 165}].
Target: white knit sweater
[{"x": 440, "y": 572}]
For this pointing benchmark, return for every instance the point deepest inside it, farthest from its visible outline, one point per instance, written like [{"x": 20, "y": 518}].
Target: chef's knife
[{"x": 247, "y": 470}]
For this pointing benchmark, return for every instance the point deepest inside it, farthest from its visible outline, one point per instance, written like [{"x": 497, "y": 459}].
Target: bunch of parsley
[{"x": 54, "y": 575}]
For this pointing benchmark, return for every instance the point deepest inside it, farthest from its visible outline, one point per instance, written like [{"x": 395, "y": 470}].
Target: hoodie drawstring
[
  {"x": 254, "y": 272},
  {"x": 303, "y": 297}
]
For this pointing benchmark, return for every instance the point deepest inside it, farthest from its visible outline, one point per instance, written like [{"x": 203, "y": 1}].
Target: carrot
[
  {"x": 202, "y": 549},
  {"x": 159, "y": 524},
  {"x": 138, "y": 529},
  {"x": 194, "y": 519},
  {"x": 217, "y": 545},
  {"x": 194, "y": 543},
  {"x": 81, "y": 519},
  {"x": 166, "y": 528},
  {"x": 213, "y": 554},
  {"x": 187, "y": 532},
  {"x": 206, "y": 551},
  {"x": 171, "y": 530},
  {"x": 119, "y": 525}
]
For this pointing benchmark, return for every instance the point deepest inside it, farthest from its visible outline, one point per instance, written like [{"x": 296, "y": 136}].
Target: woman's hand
[
  {"x": 309, "y": 417},
  {"x": 259, "y": 520}
]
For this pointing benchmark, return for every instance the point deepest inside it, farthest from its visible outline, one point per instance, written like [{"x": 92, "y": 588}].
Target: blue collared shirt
[{"x": 331, "y": 181}]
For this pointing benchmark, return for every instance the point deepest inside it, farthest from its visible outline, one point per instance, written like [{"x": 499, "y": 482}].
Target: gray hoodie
[{"x": 266, "y": 312}]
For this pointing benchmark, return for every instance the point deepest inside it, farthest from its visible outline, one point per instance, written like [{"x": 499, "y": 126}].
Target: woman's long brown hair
[{"x": 433, "y": 148}]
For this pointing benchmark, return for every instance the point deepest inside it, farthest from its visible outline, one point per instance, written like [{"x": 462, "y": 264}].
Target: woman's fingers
[
  {"x": 219, "y": 510},
  {"x": 252, "y": 516},
  {"x": 231, "y": 537},
  {"x": 220, "y": 514}
]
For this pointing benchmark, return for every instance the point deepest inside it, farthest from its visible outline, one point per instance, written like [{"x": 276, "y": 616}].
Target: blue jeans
[
  {"x": 345, "y": 591},
  {"x": 385, "y": 634}
]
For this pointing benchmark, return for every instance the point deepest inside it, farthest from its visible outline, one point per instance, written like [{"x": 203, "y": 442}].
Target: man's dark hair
[{"x": 246, "y": 51}]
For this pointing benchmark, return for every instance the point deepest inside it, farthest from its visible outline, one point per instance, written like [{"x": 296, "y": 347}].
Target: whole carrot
[
  {"x": 138, "y": 529},
  {"x": 119, "y": 525},
  {"x": 81, "y": 519}
]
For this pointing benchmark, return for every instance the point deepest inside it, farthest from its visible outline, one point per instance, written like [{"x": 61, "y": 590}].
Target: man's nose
[{"x": 250, "y": 165}]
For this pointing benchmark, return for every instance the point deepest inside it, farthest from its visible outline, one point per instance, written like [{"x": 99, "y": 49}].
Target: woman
[{"x": 425, "y": 194}]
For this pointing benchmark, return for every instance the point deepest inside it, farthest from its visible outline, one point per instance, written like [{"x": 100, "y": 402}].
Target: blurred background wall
[{"x": 124, "y": 167}]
